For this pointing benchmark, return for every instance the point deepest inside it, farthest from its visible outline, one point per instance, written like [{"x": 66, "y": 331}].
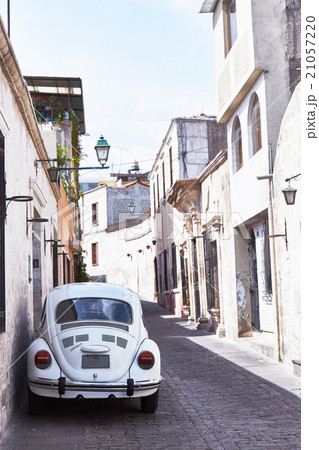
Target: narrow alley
[{"x": 214, "y": 395}]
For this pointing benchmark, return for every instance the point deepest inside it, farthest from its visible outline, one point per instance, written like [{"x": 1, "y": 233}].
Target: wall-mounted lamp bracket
[
  {"x": 36, "y": 220},
  {"x": 17, "y": 198},
  {"x": 265, "y": 177},
  {"x": 49, "y": 240},
  {"x": 291, "y": 178},
  {"x": 281, "y": 235}
]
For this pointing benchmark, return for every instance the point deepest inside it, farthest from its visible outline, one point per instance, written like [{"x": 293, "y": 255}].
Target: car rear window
[{"x": 73, "y": 310}]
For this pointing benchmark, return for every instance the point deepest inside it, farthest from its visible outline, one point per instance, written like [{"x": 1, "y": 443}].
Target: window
[
  {"x": 163, "y": 174},
  {"x": 95, "y": 220},
  {"x": 156, "y": 274},
  {"x": 211, "y": 272},
  {"x": 237, "y": 149},
  {"x": 267, "y": 263},
  {"x": 158, "y": 198},
  {"x": 230, "y": 24},
  {"x": 2, "y": 235},
  {"x": 171, "y": 166},
  {"x": 165, "y": 271},
  {"x": 73, "y": 310},
  {"x": 66, "y": 269},
  {"x": 94, "y": 249},
  {"x": 55, "y": 262},
  {"x": 254, "y": 124},
  {"x": 174, "y": 266},
  {"x": 154, "y": 198}
]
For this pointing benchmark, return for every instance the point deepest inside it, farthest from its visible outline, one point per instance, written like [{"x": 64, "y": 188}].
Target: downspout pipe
[{"x": 275, "y": 284}]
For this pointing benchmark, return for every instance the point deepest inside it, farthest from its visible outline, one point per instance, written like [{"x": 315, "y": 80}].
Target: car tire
[
  {"x": 149, "y": 403},
  {"x": 36, "y": 405}
]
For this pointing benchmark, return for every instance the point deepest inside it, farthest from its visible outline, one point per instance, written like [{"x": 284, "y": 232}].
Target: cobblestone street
[{"x": 208, "y": 400}]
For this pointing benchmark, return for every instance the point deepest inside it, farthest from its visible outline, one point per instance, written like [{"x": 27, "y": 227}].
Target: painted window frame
[
  {"x": 163, "y": 180},
  {"x": 94, "y": 254},
  {"x": 230, "y": 24},
  {"x": 237, "y": 145},
  {"x": 254, "y": 125},
  {"x": 174, "y": 265},
  {"x": 171, "y": 166},
  {"x": 95, "y": 214}
]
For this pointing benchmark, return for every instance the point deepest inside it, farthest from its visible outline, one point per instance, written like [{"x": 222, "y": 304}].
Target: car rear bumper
[{"x": 50, "y": 388}]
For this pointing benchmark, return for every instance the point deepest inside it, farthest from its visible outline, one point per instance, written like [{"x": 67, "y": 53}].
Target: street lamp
[
  {"x": 102, "y": 149},
  {"x": 290, "y": 195},
  {"x": 131, "y": 207},
  {"x": 290, "y": 192}
]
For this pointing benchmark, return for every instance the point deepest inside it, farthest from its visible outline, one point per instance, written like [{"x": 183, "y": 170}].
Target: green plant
[
  {"x": 83, "y": 275},
  {"x": 71, "y": 190}
]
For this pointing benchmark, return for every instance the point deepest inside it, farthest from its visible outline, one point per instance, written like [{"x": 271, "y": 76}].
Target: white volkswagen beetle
[{"x": 93, "y": 344}]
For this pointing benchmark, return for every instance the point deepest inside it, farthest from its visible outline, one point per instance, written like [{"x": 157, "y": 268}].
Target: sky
[{"x": 142, "y": 63}]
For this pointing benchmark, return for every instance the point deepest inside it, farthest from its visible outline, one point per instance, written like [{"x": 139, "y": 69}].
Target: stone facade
[
  {"x": 256, "y": 72},
  {"x": 287, "y": 220},
  {"x": 189, "y": 145},
  {"x": 26, "y": 263},
  {"x": 121, "y": 241}
]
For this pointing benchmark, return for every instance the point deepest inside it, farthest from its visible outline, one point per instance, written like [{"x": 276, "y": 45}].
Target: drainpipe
[{"x": 271, "y": 232}]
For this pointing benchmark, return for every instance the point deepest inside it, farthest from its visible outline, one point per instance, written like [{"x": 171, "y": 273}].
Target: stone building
[
  {"x": 189, "y": 146},
  {"x": 117, "y": 244},
  {"x": 257, "y": 63},
  {"x": 58, "y": 105},
  {"x": 28, "y": 215}
]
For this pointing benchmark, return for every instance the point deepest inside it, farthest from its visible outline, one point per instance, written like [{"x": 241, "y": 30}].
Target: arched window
[
  {"x": 237, "y": 147},
  {"x": 254, "y": 124}
]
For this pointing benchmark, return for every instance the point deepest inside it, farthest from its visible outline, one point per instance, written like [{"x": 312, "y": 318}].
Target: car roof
[{"x": 94, "y": 290}]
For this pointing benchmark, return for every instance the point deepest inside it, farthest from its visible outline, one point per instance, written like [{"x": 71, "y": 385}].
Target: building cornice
[
  {"x": 185, "y": 195},
  {"x": 219, "y": 159},
  {"x": 208, "y": 6},
  {"x": 18, "y": 86}
]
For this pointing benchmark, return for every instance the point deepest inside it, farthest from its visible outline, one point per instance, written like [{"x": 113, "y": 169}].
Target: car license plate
[{"x": 95, "y": 361}]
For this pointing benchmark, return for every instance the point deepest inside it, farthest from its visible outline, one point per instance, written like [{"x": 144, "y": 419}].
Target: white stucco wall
[
  {"x": 249, "y": 196},
  {"x": 288, "y": 164},
  {"x": 136, "y": 270},
  {"x": 22, "y": 178},
  {"x": 216, "y": 202}
]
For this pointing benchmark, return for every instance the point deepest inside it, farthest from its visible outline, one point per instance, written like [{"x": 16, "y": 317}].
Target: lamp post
[{"x": 102, "y": 151}]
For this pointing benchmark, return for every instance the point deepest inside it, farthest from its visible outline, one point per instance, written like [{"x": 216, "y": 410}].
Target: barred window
[{"x": 174, "y": 266}]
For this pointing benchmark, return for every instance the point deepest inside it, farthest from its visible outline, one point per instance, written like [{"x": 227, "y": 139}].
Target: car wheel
[
  {"x": 149, "y": 403},
  {"x": 35, "y": 403}
]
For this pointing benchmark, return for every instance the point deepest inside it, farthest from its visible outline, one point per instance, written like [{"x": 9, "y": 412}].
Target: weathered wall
[
  {"x": 287, "y": 164},
  {"x": 216, "y": 202},
  {"x": 22, "y": 179},
  {"x": 119, "y": 197},
  {"x": 115, "y": 241}
]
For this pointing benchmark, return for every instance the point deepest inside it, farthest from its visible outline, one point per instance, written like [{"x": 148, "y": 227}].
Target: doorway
[
  {"x": 253, "y": 283},
  {"x": 36, "y": 272}
]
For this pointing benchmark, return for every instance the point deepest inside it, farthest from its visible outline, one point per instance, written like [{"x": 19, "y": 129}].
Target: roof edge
[{"x": 208, "y": 6}]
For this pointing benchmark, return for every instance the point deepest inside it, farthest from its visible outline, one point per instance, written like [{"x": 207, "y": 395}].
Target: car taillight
[
  {"x": 42, "y": 359},
  {"x": 146, "y": 360}
]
